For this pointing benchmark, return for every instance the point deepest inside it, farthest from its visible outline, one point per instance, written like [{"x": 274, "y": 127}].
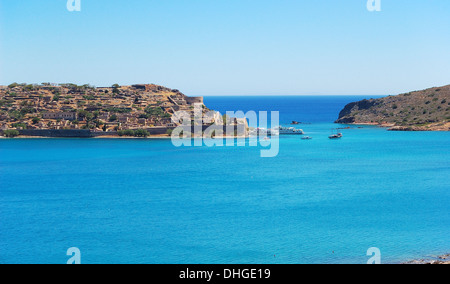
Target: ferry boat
[
  {"x": 278, "y": 131},
  {"x": 289, "y": 131}
]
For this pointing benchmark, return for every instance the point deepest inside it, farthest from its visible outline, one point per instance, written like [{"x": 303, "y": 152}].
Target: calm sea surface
[{"x": 146, "y": 201}]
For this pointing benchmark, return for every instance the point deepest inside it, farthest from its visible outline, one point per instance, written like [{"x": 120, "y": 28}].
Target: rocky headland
[{"x": 426, "y": 110}]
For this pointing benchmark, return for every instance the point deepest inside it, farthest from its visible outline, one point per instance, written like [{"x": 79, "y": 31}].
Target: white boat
[
  {"x": 278, "y": 131},
  {"x": 289, "y": 131}
]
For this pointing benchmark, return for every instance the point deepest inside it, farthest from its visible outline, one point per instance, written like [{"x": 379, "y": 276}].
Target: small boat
[
  {"x": 336, "y": 136},
  {"x": 306, "y": 138}
]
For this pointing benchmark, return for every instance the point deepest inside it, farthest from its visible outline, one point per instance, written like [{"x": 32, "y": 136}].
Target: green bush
[
  {"x": 85, "y": 115},
  {"x": 134, "y": 133},
  {"x": 19, "y": 125},
  {"x": 117, "y": 110},
  {"x": 27, "y": 110},
  {"x": 154, "y": 111},
  {"x": 56, "y": 97},
  {"x": 89, "y": 97},
  {"x": 116, "y": 88},
  {"x": 5, "y": 102},
  {"x": 141, "y": 133},
  {"x": 11, "y": 133},
  {"x": 15, "y": 115},
  {"x": 127, "y": 132}
]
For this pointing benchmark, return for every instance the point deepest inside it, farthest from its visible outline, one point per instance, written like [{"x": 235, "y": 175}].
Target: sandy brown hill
[
  {"x": 426, "y": 110},
  {"x": 69, "y": 106}
]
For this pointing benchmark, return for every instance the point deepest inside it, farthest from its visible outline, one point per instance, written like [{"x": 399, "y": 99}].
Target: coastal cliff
[{"x": 426, "y": 110}]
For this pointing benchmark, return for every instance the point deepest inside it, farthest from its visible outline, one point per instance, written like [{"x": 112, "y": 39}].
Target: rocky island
[
  {"x": 427, "y": 110},
  {"x": 70, "y": 110}
]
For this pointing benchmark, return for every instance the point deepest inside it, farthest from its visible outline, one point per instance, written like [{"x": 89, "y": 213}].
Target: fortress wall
[
  {"x": 99, "y": 134},
  {"x": 82, "y": 133},
  {"x": 63, "y": 133}
]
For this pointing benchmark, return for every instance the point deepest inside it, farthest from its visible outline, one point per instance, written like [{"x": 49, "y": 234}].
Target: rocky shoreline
[
  {"x": 443, "y": 259},
  {"x": 393, "y": 127}
]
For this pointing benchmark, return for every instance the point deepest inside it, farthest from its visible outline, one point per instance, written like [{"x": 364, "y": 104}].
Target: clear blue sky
[{"x": 230, "y": 47}]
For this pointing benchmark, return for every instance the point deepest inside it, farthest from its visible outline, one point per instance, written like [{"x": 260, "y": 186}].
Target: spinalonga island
[
  {"x": 426, "y": 110},
  {"x": 70, "y": 110}
]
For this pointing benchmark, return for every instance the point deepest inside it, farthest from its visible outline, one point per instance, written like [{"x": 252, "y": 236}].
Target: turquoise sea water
[{"x": 145, "y": 201}]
